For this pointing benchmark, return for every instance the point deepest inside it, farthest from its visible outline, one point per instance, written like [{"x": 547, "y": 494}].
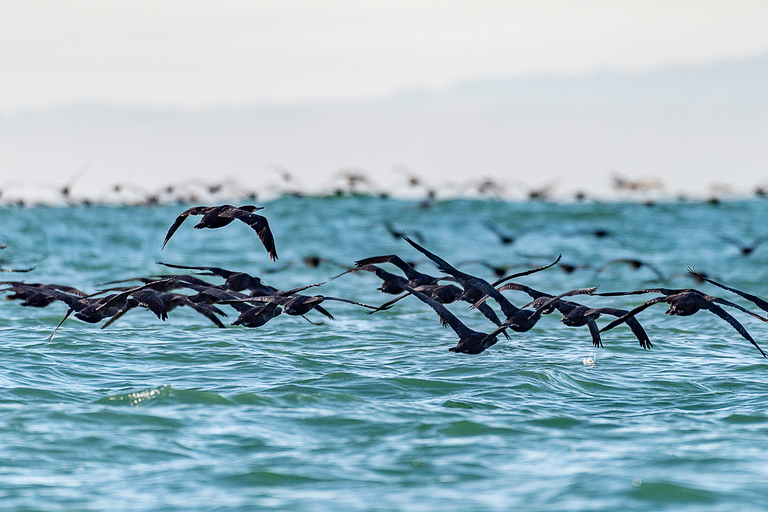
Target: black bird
[
  {"x": 300, "y": 305},
  {"x": 504, "y": 237},
  {"x": 470, "y": 341},
  {"x": 475, "y": 288},
  {"x": 577, "y": 315},
  {"x": 523, "y": 320},
  {"x": 160, "y": 303},
  {"x": 233, "y": 280},
  {"x": 634, "y": 264},
  {"x": 258, "y": 315},
  {"x": 686, "y": 302},
  {"x": 442, "y": 293},
  {"x": 746, "y": 249},
  {"x": 415, "y": 278},
  {"x": 31, "y": 294},
  {"x": 757, "y": 301},
  {"x": 220, "y": 216}
]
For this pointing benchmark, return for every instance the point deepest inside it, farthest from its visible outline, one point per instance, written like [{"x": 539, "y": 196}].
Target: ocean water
[{"x": 372, "y": 412}]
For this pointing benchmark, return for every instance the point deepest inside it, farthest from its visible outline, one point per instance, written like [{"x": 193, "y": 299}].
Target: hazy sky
[{"x": 207, "y": 54}]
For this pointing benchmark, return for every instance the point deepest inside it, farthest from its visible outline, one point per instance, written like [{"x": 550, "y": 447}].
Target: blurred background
[{"x": 513, "y": 99}]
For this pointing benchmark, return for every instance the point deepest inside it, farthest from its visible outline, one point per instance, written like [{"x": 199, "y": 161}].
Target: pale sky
[{"x": 202, "y": 54}]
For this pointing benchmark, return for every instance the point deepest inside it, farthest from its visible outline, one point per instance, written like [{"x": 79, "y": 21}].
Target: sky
[
  {"x": 201, "y": 54},
  {"x": 160, "y": 91}
]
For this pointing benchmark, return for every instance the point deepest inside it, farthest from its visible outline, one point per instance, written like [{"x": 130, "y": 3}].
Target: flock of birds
[
  {"x": 346, "y": 182},
  {"x": 257, "y": 303}
]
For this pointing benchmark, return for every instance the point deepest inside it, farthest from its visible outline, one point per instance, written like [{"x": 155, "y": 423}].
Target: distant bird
[
  {"x": 621, "y": 182},
  {"x": 577, "y": 315},
  {"x": 570, "y": 268},
  {"x": 220, "y": 216},
  {"x": 634, "y": 264},
  {"x": 746, "y": 249},
  {"x": 686, "y": 302},
  {"x": 398, "y": 233},
  {"x": 504, "y": 237},
  {"x": 310, "y": 261}
]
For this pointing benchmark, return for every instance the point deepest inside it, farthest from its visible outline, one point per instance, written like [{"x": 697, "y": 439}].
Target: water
[{"x": 371, "y": 412}]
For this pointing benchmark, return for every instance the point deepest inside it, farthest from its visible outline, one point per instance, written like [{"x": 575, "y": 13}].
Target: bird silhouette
[
  {"x": 687, "y": 302},
  {"x": 220, "y": 216}
]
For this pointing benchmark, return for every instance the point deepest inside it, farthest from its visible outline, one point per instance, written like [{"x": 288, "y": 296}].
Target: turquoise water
[{"x": 371, "y": 412}]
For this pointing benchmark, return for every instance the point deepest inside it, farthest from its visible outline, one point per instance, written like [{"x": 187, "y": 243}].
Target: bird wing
[
  {"x": 348, "y": 301},
  {"x": 209, "y": 311},
  {"x": 214, "y": 270},
  {"x": 259, "y": 224},
  {"x": 756, "y": 300},
  {"x": 714, "y": 308},
  {"x": 736, "y": 306},
  {"x": 632, "y": 313},
  {"x": 390, "y": 258},
  {"x": 535, "y": 294},
  {"x": 527, "y": 272},
  {"x": 633, "y": 324},
  {"x": 594, "y": 330},
  {"x": 195, "y": 210},
  {"x": 665, "y": 291},
  {"x": 446, "y": 317}
]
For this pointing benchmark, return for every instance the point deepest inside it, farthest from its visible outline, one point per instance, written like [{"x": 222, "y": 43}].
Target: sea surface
[{"x": 371, "y": 411}]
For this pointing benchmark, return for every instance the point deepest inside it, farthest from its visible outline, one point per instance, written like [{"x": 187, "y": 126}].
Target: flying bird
[
  {"x": 577, "y": 315},
  {"x": 220, "y": 216},
  {"x": 686, "y": 302}
]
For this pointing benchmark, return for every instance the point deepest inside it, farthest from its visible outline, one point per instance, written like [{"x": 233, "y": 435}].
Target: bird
[
  {"x": 757, "y": 301},
  {"x": 686, "y": 302},
  {"x": 746, "y": 249},
  {"x": 233, "y": 280},
  {"x": 474, "y": 287},
  {"x": 220, "y": 216},
  {"x": 160, "y": 303},
  {"x": 300, "y": 305},
  {"x": 31, "y": 294},
  {"x": 505, "y": 238},
  {"x": 523, "y": 319},
  {"x": 256, "y": 316},
  {"x": 470, "y": 341},
  {"x": 634, "y": 264},
  {"x": 577, "y": 315},
  {"x": 415, "y": 278},
  {"x": 442, "y": 293}
]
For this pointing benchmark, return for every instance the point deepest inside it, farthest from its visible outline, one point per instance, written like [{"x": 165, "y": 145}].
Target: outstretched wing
[
  {"x": 260, "y": 225},
  {"x": 753, "y": 298},
  {"x": 446, "y": 317},
  {"x": 632, "y": 313},
  {"x": 527, "y": 272},
  {"x": 633, "y": 324},
  {"x": 195, "y": 210},
  {"x": 714, "y": 308},
  {"x": 408, "y": 270},
  {"x": 594, "y": 330}
]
